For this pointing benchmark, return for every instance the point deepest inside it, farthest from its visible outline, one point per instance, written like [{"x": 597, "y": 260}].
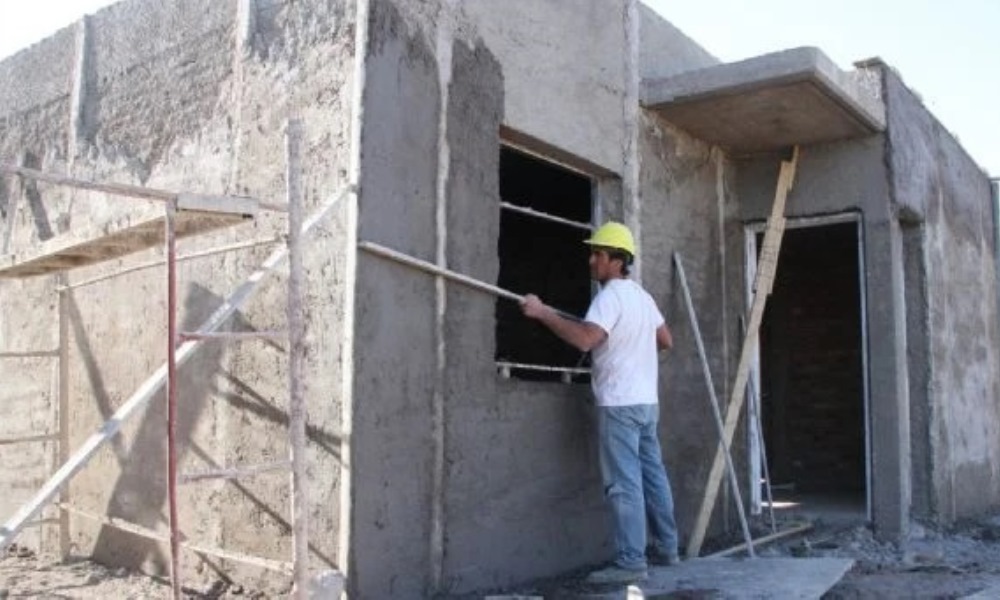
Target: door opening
[{"x": 811, "y": 374}]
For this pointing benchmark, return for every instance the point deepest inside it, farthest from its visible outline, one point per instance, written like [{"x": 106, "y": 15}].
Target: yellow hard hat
[{"x": 613, "y": 235}]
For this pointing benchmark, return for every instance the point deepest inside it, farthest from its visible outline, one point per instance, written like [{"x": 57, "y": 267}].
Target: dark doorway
[{"x": 812, "y": 381}]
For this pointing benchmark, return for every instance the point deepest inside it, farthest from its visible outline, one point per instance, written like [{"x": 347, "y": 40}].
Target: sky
[{"x": 946, "y": 50}]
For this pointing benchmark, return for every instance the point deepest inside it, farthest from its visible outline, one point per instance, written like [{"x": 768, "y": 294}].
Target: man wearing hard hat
[{"x": 623, "y": 330}]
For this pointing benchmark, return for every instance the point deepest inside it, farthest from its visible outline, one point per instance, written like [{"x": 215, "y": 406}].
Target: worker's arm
[
  {"x": 580, "y": 334},
  {"x": 664, "y": 341}
]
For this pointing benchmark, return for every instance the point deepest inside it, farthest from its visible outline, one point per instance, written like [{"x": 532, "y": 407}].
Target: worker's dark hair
[{"x": 622, "y": 255}]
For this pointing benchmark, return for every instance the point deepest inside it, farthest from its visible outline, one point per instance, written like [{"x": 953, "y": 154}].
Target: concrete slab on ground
[
  {"x": 731, "y": 579},
  {"x": 990, "y": 593},
  {"x": 770, "y": 102},
  {"x": 750, "y": 578}
]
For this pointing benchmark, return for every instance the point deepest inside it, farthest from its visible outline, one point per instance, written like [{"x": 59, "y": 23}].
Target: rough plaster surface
[
  {"x": 176, "y": 101},
  {"x": 520, "y": 483},
  {"x": 578, "y": 66},
  {"x": 948, "y": 197},
  {"x": 394, "y": 321},
  {"x": 665, "y": 50},
  {"x": 38, "y": 75},
  {"x": 689, "y": 208}
]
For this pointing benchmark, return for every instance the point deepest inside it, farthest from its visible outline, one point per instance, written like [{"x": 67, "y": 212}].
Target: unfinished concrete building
[{"x": 449, "y": 442}]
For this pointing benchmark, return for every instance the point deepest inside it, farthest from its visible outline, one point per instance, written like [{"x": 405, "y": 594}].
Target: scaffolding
[{"x": 184, "y": 215}]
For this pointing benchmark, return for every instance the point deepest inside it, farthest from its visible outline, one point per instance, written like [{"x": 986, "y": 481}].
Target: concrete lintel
[{"x": 796, "y": 96}]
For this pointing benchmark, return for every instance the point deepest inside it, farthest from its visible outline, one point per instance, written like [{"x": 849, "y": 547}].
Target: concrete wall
[
  {"x": 665, "y": 50},
  {"x": 929, "y": 248},
  {"x": 187, "y": 96},
  {"x": 465, "y": 480},
  {"x": 32, "y": 129},
  {"x": 844, "y": 177},
  {"x": 689, "y": 208},
  {"x": 946, "y": 200}
]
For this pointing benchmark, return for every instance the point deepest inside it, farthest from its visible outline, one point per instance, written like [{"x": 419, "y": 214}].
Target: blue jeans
[{"x": 635, "y": 482}]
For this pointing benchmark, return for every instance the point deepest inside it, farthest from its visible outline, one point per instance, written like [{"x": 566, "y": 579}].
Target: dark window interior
[{"x": 541, "y": 257}]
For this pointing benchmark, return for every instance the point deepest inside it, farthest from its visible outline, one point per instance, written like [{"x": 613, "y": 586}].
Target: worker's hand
[{"x": 533, "y": 307}]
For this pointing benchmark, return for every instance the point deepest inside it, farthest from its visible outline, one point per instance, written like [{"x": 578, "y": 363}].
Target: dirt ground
[
  {"x": 958, "y": 563},
  {"x": 25, "y": 575}
]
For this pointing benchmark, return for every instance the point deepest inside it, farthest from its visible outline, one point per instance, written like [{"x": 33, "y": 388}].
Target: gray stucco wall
[
  {"x": 947, "y": 199},
  {"x": 516, "y": 486},
  {"x": 183, "y": 96},
  {"x": 564, "y": 66},
  {"x": 665, "y": 50},
  {"x": 516, "y": 495},
  {"x": 931, "y": 307},
  {"x": 32, "y": 128},
  {"x": 689, "y": 208}
]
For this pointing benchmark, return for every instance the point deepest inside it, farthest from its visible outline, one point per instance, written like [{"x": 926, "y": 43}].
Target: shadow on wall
[
  {"x": 34, "y": 198},
  {"x": 140, "y": 494}
]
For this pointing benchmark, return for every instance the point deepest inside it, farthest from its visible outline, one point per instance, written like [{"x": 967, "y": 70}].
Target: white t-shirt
[{"x": 625, "y": 365}]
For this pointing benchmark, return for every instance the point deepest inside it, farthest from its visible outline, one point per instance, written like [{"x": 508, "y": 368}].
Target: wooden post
[
  {"x": 64, "y": 421},
  {"x": 762, "y": 289},
  {"x": 296, "y": 361}
]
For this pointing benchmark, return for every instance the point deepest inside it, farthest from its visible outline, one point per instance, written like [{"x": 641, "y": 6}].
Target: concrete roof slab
[{"x": 770, "y": 102}]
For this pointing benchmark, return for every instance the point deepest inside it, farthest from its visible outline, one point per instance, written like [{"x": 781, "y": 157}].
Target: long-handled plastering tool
[{"x": 427, "y": 267}]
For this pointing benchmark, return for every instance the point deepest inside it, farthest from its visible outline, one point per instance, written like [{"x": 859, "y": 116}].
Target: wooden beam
[
  {"x": 94, "y": 246},
  {"x": 762, "y": 288},
  {"x": 117, "y": 189},
  {"x": 27, "y": 439},
  {"x": 149, "y": 534},
  {"x": 234, "y": 472},
  {"x": 297, "y": 351},
  {"x": 63, "y": 415},
  {"x": 180, "y": 258},
  {"x": 793, "y": 530},
  {"x": 31, "y": 354}
]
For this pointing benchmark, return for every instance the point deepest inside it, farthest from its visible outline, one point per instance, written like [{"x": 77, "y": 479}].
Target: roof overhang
[{"x": 770, "y": 102}]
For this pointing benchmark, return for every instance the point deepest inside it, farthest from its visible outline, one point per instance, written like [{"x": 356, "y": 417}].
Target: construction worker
[{"x": 623, "y": 330}]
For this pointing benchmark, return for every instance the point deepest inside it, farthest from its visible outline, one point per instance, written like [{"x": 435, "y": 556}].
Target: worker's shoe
[
  {"x": 659, "y": 558},
  {"x": 616, "y": 574}
]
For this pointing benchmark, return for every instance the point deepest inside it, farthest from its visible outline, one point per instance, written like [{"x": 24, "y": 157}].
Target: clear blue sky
[{"x": 948, "y": 51}]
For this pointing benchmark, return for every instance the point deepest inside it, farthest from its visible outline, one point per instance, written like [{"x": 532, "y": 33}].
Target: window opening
[{"x": 545, "y": 214}]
